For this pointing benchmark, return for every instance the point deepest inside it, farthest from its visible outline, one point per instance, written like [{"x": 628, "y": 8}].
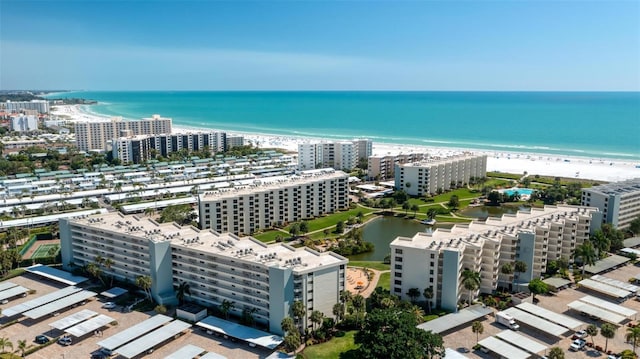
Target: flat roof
[
  {"x": 616, "y": 283},
  {"x": 114, "y": 292},
  {"x": 32, "y": 221},
  {"x": 132, "y": 208},
  {"x": 248, "y": 334},
  {"x": 450, "y": 321},
  {"x": 604, "y": 288},
  {"x": 89, "y": 326},
  {"x": 561, "y": 319},
  {"x": 133, "y": 332},
  {"x": 536, "y": 322},
  {"x": 631, "y": 242},
  {"x": 56, "y": 274},
  {"x": 453, "y": 354},
  {"x": 36, "y": 302},
  {"x": 187, "y": 351},
  {"x": 73, "y": 319},
  {"x": 503, "y": 349},
  {"x": 604, "y": 264},
  {"x": 521, "y": 341},
  {"x": 59, "y": 304},
  {"x": 589, "y": 309},
  {"x": 606, "y": 305},
  {"x": 212, "y": 355},
  {"x": 152, "y": 339},
  {"x": 557, "y": 282},
  {"x": 7, "y": 285},
  {"x": 12, "y": 292}
]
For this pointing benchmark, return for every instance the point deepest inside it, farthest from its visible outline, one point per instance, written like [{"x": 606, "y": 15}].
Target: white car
[
  {"x": 109, "y": 305},
  {"x": 580, "y": 334},
  {"x": 577, "y": 345},
  {"x": 65, "y": 341}
]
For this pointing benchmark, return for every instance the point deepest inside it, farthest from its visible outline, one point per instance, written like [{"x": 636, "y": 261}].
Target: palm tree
[
  {"x": 299, "y": 311},
  {"x": 471, "y": 282},
  {"x": 556, "y": 353},
  {"x": 518, "y": 268},
  {"x": 413, "y": 293},
  {"x": 288, "y": 325},
  {"x": 345, "y": 298},
  {"x": 316, "y": 317},
  {"x": 107, "y": 263},
  {"x": 592, "y": 331},
  {"x": 144, "y": 282},
  {"x": 359, "y": 303},
  {"x": 587, "y": 254},
  {"x": 226, "y": 307},
  {"x": 507, "y": 269},
  {"x": 337, "y": 312},
  {"x": 633, "y": 334},
  {"x": 418, "y": 313},
  {"x": 428, "y": 295},
  {"x": 5, "y": 342},
  {"x": 22, "y": 346},
  {"x": 477, "y": 328},
  {"x": 608, "y": 331},
  {"x": 432, "y": 213},
  {"x": 184, "y": 288}
]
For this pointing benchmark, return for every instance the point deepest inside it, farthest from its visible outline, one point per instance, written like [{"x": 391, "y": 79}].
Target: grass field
[
  {"x": 332, "y": 219},
  {"x": 336, "y": 348},
  {"x": 44, "y": 250},
  {"x": 385, "y": 280},
  {"x": 370, "y": 264},
  {"x": 270, "y": 236}
]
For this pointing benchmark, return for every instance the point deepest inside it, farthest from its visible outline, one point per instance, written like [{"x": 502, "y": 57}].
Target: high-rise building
[
  {"x": 98, "y": 135},
  {"x": 618, "y": 201},
  {"x": 437, "y": 259},
  {"x": 342, "y": 155},
  {"x": 439, "y": 174},
  {"x": 274, "y": 201},
  {"x": 262, "y": 279},
  {"x": 383, "y": 167},
  {"x": 42, "y": 106},
  {"x": 24, "y": 123}
]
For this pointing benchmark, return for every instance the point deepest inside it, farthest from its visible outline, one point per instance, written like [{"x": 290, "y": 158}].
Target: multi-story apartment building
[
  {"x": 137, "y": 149},
  {"x": 24, "y": 123},
  {"x": 97, "y": 135},
  {"x": 261, "y": 279},
  {"x": 234, "y": 141},
  {"x": 42, "y": 106},
  {"x": 432, "y": 175},
  {"x": 618, "y": 201},
  {"x": 437, "y": 259},
  {"x": 383, "y": 167},
  {"x": 274, "y": 201},
  {"x": 340, "y": 155}
]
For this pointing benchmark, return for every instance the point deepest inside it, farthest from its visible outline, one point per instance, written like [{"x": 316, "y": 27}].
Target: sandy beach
[{"x": 602, "y": 169}]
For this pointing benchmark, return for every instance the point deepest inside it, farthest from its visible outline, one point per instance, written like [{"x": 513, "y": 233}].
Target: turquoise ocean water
[{"x": 590, "y": 124}]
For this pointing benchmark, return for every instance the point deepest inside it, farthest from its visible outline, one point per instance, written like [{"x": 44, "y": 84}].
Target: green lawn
[
  {"x": 385, "y": 280},
  {"x": 269, "y": 236},
  {"x": 332, "y": 219},
  {"x": 331, "y": 349},
  {"x": 370, "y": 264}
]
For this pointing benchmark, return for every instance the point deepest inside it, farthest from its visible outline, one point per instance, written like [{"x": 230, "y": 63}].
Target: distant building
[
  {"x": 42, "y": 106},
  {"x": 97, "y": 135},
  {"x": 273, "y": 201},
  {"x": 383, "y": 167},
  {"x": 234, "y": 141},
  {"x": 435, "y": 174},
  {"x": 342, "y": 155},
  {"x": 437, "y": 259},
  {"x": 24, "y": 123},
  {"x": 618, "y": 201}
]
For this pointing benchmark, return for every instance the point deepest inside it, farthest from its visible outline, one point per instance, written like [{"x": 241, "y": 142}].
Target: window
[
  {"x": 398, "y": 251},
  {"x": 397, "y": 275},
  {"x": 432, "y": 256},
  {"x": 398, "y": 259},
  {"x": 399, "y": 266},
  {"x": 397, "y": 282}
]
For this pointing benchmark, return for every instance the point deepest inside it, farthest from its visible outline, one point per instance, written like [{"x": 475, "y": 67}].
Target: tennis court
[{"x": 46, "y": 250}]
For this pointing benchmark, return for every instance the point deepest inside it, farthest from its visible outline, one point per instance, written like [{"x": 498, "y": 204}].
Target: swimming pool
[{"x": 521, "y": 191}]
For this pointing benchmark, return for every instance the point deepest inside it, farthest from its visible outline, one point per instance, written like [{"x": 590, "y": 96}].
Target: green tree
[
  {"x": 507, "y": 269},
  {"x": 182, "y": 214},
  {"x": 338, "y": 312},
  {"x": 22, "y": 347},
  {"x": 634, "y": 226},
  {"x": 304, "y": 227},
  {"x": 184, "y": 288},
  {"x": 316, "y": 317},
  {"x": 454, "y": 202},
  {"x": 471, "y": 282},
  {"x": 537, "y": 286},
  {"x": 428, "y": 295},
  {"x": 608, "y": 331},
  {"x": 144, "y": 282},
  {"x": 288, "y": 325},
  {"x": 556, "y": 353},
  {"x": 414, "y": 294},
  {"x": 226, "y": 306},
  {"x": 292, "y": 341},
  {"x": 415, "y": 208},
  {"x": 406, "y": 206},
  {"x": 340, "y": 227},
  {"x": 477, "y": 328},
  {"x": 586, "y": 253},
  {"x": 592, "y": 331},
  {"x": 5, "y": 342},
  {"x": 518, "y": 268},
  {"x": 633, "y": 334},
  {"x": 432, "y": 213},
  {"x": 299, "y": 311}
]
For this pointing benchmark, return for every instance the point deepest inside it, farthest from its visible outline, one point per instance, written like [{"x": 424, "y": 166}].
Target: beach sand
[{"x": 601, "y": 169}]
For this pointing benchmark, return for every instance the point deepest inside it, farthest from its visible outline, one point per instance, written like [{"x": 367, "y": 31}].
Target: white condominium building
[
  {"x": 97, "y": 135},
  {"x": 430, "y": 176},
  {"x": 260, "y": 279},
  {"x": 438, "y": 259},
  {"x": 341, "y": 155},
  {"x": 618, "y": 201},
  {"x": 383, "y": 167},
  {"x": 42, "y": 106},
  {"x": 274, "y": 201},
  {"x": 24, "y": 123}
]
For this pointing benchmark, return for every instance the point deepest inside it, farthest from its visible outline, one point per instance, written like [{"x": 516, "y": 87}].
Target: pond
[
  {"x": 490, "y": 211},
  {"x": 383, "y": 231}
]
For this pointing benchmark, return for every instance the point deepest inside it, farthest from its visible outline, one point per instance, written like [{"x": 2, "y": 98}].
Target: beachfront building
[
  {"x": 24, "y": 123},
  {"x": 383, "y": 167},
  {"x": 274, "y": 201},
  {"x": 439, "y": 174},
  {"x": 618, "y": 201},
  {"x": 97, "y": 135},
  {"x": 41, "y": 106},
  {"x": 234, "y": 141},
  {"x": 141, "y": 148},
  {"x": 437, "y": 259},
  {"x": 341, "y": 154},
  {"x": 262, "y": 280}
]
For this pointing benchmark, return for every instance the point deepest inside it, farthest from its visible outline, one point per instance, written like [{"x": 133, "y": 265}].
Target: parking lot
[
  {"x": 27, "y": 329},
  {"x": 465, "y": 339}
]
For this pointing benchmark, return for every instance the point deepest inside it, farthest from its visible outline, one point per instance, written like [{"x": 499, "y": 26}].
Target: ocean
[{"x": 588, "y": 124}]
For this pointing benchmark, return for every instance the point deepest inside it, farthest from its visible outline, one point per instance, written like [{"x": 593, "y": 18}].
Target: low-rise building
[
  {"x": 24, "y": 123},
  {"x": 618, "y": 201}
]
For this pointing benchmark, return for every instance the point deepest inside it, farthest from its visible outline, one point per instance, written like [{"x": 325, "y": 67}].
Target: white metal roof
[
  {"x": 187, "y": 351},
  {"x": 453, "y": 354},
  {"x": 59, "y": 304},
  {"x": 50, "y": 218},
  {"x": 7, "y": 285},
  {"x": 36, "y": 302},
  {"x": 130, "y": 208},
  {"x": 114, "y": 292},
  {"x": 89, "y": 326},
  {"x": 604, "y": 288},
  {"x": 616, "y": 283},
  {"x": 133, "y": 332},
  {"x": 211, "y": 355},
  {"x": 152, "y": 339},
  {"x": 12, "y": 292},
  {"x": 564, "y": 320},
  {"x": 606, "y": 305},
  {"x": 521, "y": 341},
  {"x": 450, "y": 321},
  {"x": 503, "y": 348},
  {"x": 56, "y": 274},
  {"x": 536, "y": 322},
  {"x": 73, "y": 319},
  {"x": 248, "y": 334},
  {"x": 597, "y": 312}
]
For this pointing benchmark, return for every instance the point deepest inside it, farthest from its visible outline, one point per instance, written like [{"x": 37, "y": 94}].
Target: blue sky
[{"x": 328, "y": 45}]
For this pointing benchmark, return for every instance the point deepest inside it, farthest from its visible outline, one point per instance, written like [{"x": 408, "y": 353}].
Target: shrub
[{"x": 160, "y": 309}]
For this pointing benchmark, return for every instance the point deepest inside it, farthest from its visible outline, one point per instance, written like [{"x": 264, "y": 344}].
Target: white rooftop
[
  {"x": 589, "y": 309},
  {"x": 604, "y": 288},
  {"x": 536, "y": 322},
  {"x": 564, "y": 320},
  {"x": 521, "y": 341},
  {"x": 73, "y": 319},
  {"x": 450, "y": 321},
  {"x": 503, "y": 348},
  {"x": 606, "y": 305},
  {"x": 248, "y": 334}
]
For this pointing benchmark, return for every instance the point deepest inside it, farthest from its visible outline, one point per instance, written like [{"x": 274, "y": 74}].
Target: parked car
[
  {"x": 109, "y": 305},
  {"x": 580, "y": 334},
  {"x": 41, "y": 339},
  {"x": 577, "y": 345},
  {"x": 98, "y": 356},
  {"x": 106, "y": 352},
  {"x": 65, "y": 341}
]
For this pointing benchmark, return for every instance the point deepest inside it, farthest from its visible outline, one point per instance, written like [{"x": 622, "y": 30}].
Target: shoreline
[{"x": 579, "y": 167}]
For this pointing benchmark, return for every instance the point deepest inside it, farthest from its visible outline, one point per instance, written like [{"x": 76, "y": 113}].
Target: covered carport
[
  {"x": 454, "y": 320},
  {"x": 248, "y": 334},
  {"x": 56, "y": 274},
  {"x": 503, "y": 349}
]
